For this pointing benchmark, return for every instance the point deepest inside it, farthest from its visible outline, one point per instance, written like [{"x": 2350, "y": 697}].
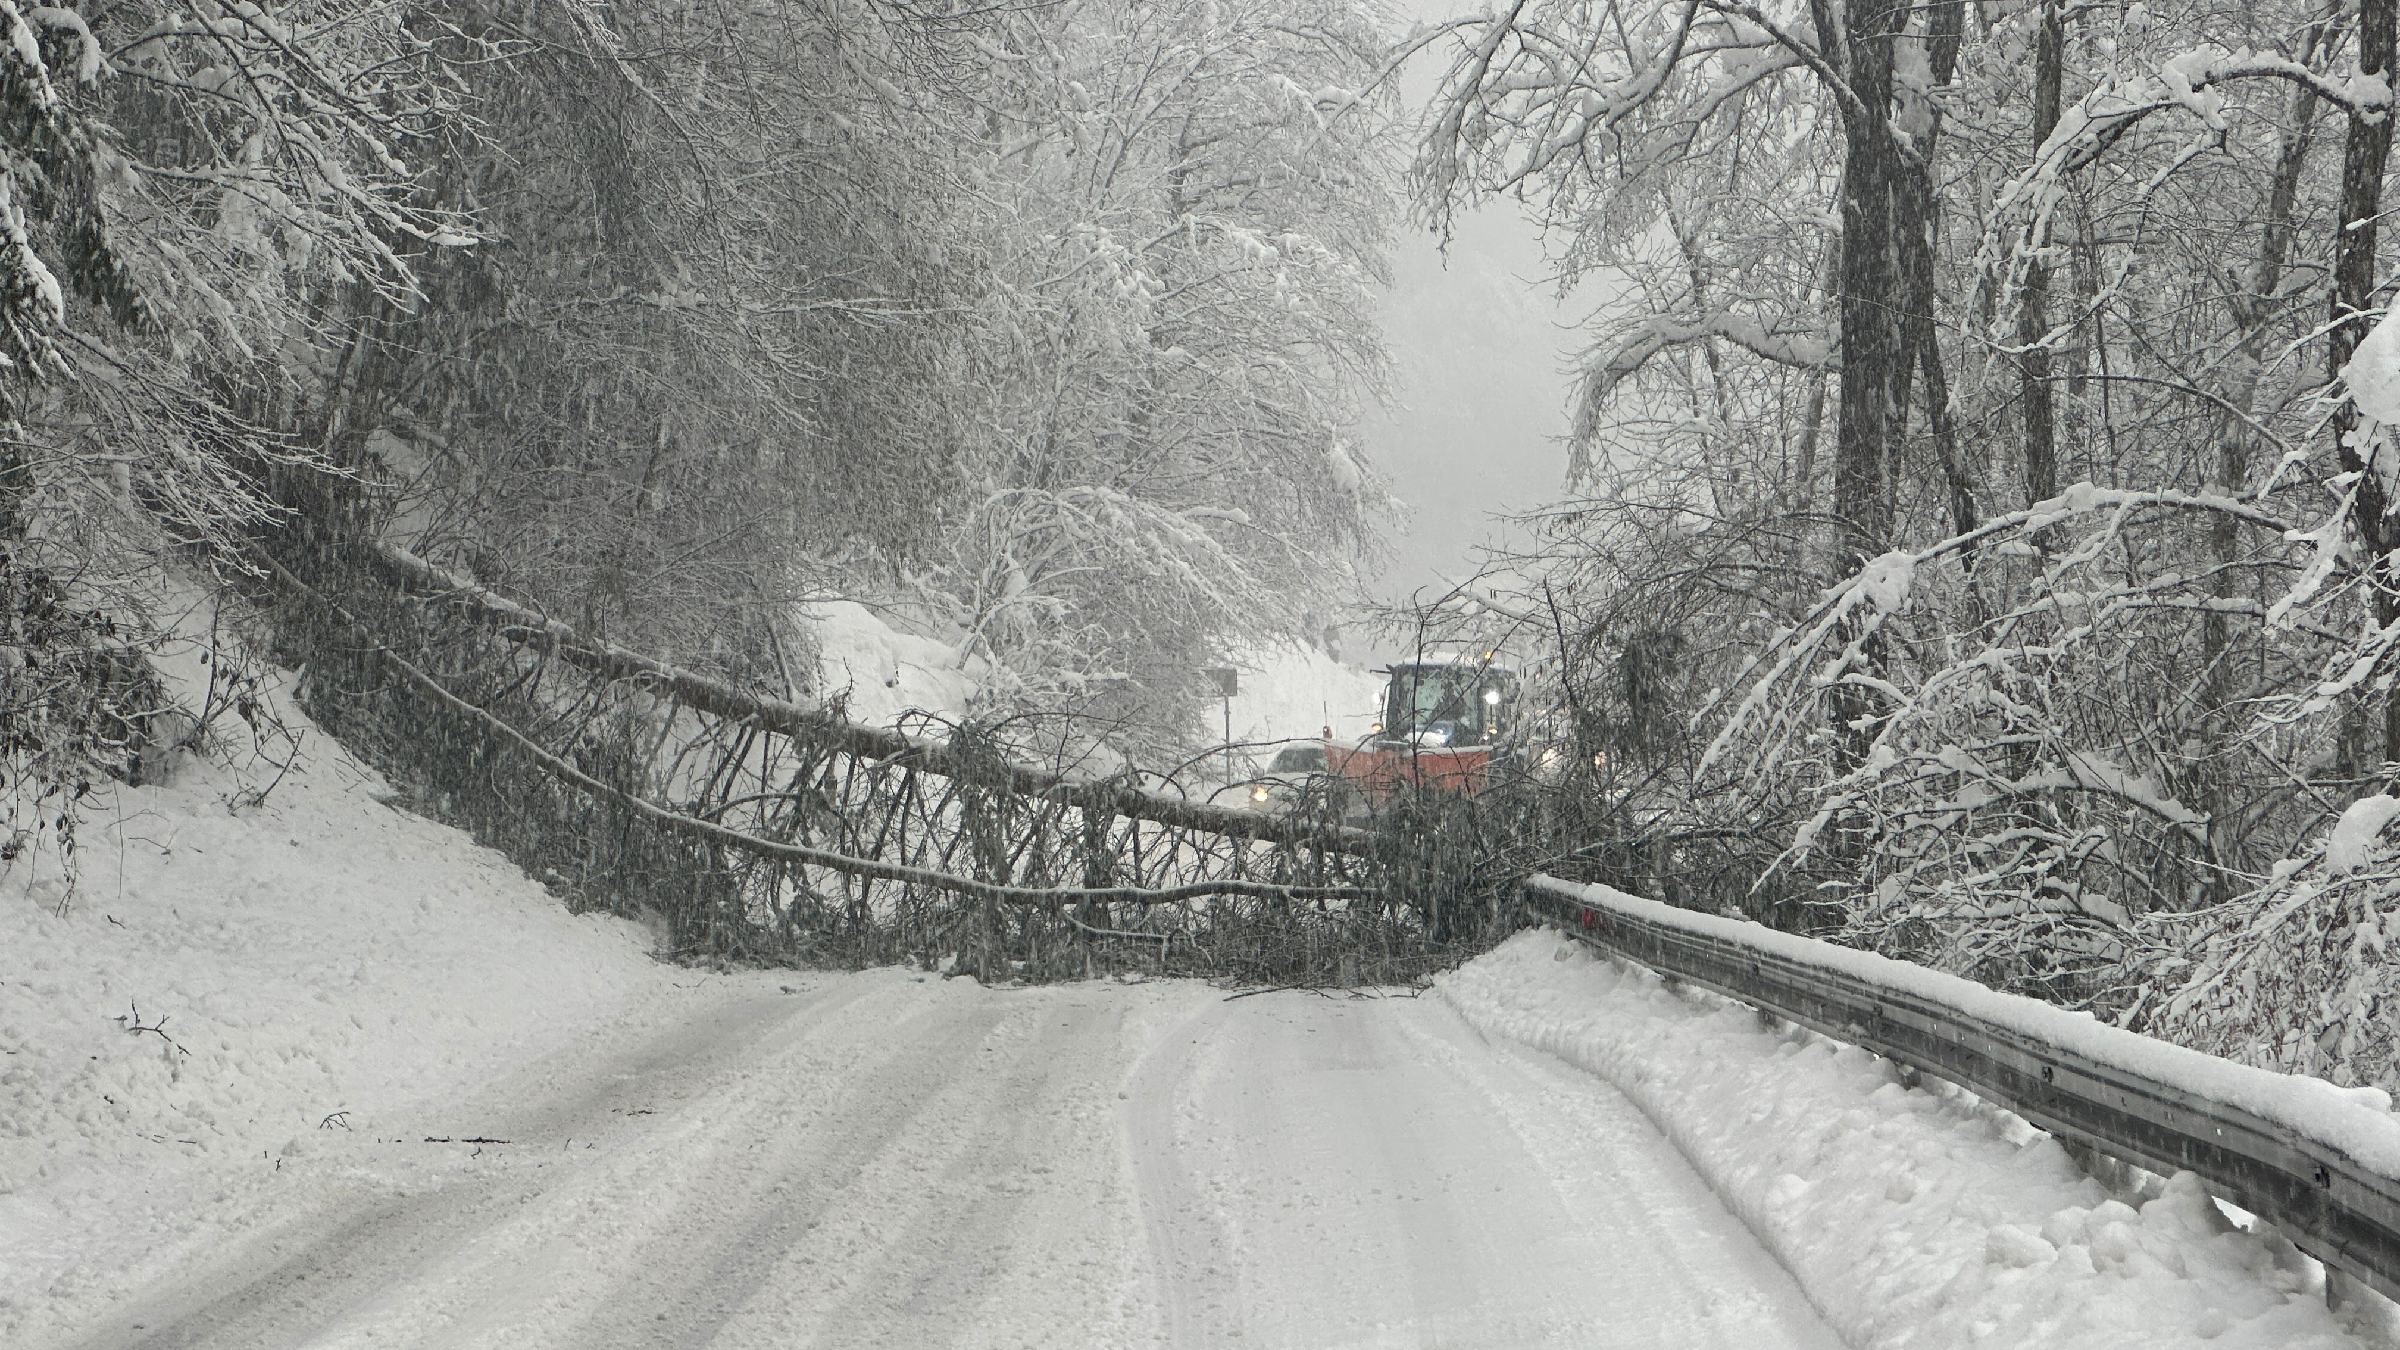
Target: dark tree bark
[
  {"x": 1874, "y": 353},
  {"x": 1920, "y": 213},
  {"x": 2364, "y": 155},
  {"x": 2033, "y": 313}
]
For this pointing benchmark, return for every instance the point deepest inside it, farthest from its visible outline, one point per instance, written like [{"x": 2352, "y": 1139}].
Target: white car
[{"x": 1291, "y": 777}]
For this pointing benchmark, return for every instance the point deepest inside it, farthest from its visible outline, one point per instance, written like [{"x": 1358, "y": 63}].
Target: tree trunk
[
  {"x": 1873, "y": 352},
  {"x": 16, "y": 477},
  {"x": 1920, "y": 214},
  {"x": 1802, "y": 496},
  {"x": 2364, "y": 154},
  {"x": 2033, "y": 316},
  {"x": 2251, "y": 313}
]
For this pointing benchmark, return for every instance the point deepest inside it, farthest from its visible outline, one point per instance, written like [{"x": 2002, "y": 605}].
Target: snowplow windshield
[{"x": 1448, "y": 703}]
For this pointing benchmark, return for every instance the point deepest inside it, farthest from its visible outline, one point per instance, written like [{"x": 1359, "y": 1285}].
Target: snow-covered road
[
  {"x": 1376, "y": 1173},
  {"x": 246, "y": 1060},
  {"x": 891, "y": 1160}
]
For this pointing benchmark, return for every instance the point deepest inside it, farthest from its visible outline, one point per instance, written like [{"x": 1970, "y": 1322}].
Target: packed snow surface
[
  {"x": 1914, "y": 1217},
  {"x": 382, "y": 1090}
]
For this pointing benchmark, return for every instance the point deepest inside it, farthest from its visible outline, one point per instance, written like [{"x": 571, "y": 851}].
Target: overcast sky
[{"x": 1478, "y": 348}]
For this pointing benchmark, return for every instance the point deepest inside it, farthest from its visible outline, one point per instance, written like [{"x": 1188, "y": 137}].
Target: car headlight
[{"x": 1260, "y": 793}]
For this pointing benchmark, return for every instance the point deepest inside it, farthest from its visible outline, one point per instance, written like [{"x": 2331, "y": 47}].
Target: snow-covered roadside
[
  {"x": 300, "y": 966},
  {"x": 880, "y": 673},
  {"x": 1296, "y": 692},
  {"x": 1912, "y": 1218}
]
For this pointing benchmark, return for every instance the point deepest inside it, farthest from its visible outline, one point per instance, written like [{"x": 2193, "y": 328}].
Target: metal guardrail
[{"x": 2337, "y": 1206}]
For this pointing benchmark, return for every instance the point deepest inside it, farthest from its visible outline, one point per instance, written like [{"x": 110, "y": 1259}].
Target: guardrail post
[{"x": 2342, "y": 1291}]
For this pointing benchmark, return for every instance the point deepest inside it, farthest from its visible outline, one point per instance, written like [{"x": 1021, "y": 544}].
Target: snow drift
[{"x": 1913, "y": 1217}]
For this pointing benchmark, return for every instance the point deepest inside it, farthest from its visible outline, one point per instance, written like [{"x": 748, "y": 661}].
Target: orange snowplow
[{"x": 1448, "y": 727}]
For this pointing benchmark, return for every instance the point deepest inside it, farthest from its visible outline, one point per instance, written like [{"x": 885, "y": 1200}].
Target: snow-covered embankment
[
  {"x": 253, "y": 967},
  {"x": 1912, "y": 1217}
]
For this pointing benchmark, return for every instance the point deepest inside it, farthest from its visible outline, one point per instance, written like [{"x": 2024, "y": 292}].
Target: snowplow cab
[
  {"x": 1448, "y": 723},
  {"x": 1443, "y": 704}
]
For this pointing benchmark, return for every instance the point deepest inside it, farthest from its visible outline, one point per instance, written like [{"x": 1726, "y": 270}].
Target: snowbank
[
  {"x": 1295, "y": 692},
  {"x": 1912, "y": 1217},
  {"x": 232, "y": 982},
  {"x": 878, "y": 671}
]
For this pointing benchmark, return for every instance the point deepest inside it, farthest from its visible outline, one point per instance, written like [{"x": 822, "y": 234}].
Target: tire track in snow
[
  {"x": 1623, "y": 1175},
  {"x": 1186, "y": 1236},
  {"x": 781, "y": 1221},
  {"x": 721, "y": 1236},
  {"x": 1021, "y": 1217},
  {"x": 293, "y": 1280},
  {"x": 1354, "y": 1174}
]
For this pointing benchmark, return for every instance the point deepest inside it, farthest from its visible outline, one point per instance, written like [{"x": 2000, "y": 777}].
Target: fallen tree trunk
[
  {"x": 524, "y": 626},
  {"x": 696, "y": 827}
]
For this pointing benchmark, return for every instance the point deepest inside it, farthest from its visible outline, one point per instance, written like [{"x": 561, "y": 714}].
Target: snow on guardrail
[
  {"x": 2319, "y": 1161},
  {"x": 1924, "y": 1219}
]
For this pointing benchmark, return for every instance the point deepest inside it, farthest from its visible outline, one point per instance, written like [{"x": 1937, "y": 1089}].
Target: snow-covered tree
[
  {"x": 189, "y": 192},
  {"x": 2095, "y": 640},
  {"x": 701, "y": 360},
  {"x": 1178, "y": 335}
]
